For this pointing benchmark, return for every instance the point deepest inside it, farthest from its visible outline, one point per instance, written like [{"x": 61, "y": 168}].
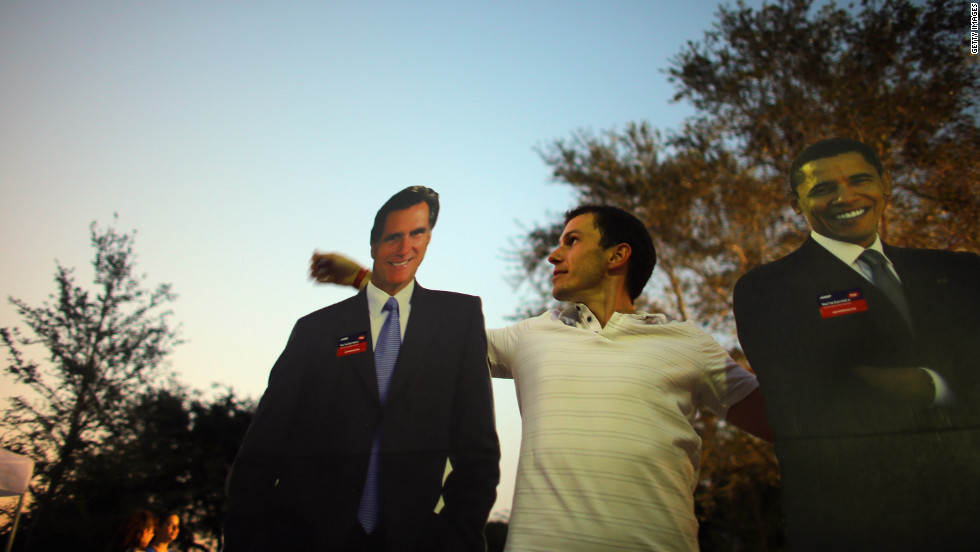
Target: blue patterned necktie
[
  {"x": 886, "y": 282},
  {"x": 385, "y": 355}
]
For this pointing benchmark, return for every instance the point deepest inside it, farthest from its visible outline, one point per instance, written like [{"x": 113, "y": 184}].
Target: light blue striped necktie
[{"x": 385, "y": 355}]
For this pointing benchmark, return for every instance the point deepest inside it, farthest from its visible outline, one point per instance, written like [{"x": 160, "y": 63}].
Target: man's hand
[
  {"x": 333, "y": 268},
  {"x": 907, "y": 383}
]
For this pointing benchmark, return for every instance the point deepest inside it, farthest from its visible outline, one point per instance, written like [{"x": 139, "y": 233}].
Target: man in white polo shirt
[{"x": 609, "y": 455}]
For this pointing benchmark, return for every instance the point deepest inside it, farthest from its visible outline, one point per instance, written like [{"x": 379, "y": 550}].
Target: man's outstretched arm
[
  {"x": 749, "y": 414},
  {"x": 334, "y": 268}
]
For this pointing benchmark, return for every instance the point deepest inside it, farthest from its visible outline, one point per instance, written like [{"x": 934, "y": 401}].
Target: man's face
[
  {"x": 579, "y": 261},
  {"x": 399, "y": 252},
  {"x": 842, "y": 197}
]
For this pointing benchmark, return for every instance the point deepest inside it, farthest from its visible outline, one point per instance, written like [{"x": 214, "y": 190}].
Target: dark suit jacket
[
  {"x": 862, "y": 469},
  {"x": 297, "y": 481}
]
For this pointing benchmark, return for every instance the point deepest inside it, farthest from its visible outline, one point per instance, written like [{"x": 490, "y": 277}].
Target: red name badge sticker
[
  {"x": 840, "y": 303},
  {"x": 351, "y": 344}
]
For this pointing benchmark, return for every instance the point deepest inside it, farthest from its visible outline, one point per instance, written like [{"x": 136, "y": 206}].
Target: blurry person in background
[
  {"x": 134, "y": 533},
  {"x": 168, "y": 527}
]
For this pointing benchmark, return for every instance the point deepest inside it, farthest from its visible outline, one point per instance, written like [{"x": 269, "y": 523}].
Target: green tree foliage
[
  {"x": 765, "y": 83},
  {"x": 103, "y": 347},
  {"x": 111, "y": 430},
  {"x": 174, "y": 457},
  {"x": 896, "y": 75},
  {"x": 217, "y": 432},
  {"x": 698, "y": 227}
]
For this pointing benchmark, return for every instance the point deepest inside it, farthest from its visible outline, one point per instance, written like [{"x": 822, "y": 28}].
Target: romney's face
[
  {"x": 401, "y": 248},
  {"x": 842, "y": 197}
]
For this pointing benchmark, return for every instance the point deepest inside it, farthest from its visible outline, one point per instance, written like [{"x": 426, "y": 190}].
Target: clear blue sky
[{"x": 237, "y": 137}]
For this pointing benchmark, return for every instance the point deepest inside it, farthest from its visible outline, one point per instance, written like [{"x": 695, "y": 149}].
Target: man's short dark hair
[
  {"x": 830, "y": 147},
  {"x": 404, "y": 199},
  {"x": 617, "y": 226}
]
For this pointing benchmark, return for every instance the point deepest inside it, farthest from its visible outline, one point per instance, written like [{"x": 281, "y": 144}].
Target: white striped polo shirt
[{"x": 609, "y": 457}]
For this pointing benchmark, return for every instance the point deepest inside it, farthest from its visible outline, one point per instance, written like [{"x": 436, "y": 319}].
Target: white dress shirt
[{"x": 376, "y": 302}]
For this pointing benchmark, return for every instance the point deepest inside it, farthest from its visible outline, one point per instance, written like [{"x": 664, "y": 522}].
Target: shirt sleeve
[
  {"x": 726, "y": 382},
  {"x": 502, "y": 348}
]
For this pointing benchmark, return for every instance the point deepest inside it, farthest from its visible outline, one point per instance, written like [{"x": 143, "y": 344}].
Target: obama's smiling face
[{"x": 842, "y": 197}]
